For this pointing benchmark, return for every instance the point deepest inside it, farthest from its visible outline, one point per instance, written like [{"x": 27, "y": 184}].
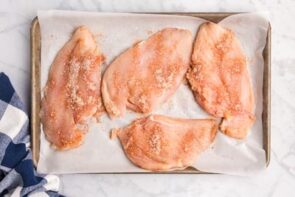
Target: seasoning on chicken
[
  {"x": 72, "y": 92},
  {"x": 161, "y": 143},
  {"x": 220, "y": 80},
  {"x": 148, "y": 73}
]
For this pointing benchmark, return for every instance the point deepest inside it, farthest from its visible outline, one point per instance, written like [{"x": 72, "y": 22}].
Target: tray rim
[{"x": 212, "y": 16}]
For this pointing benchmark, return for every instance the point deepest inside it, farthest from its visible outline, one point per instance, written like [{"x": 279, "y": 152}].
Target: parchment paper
[{"x": 115, "y": 32}]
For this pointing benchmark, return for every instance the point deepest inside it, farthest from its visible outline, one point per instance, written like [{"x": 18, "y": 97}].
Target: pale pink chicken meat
[
  {"x": 148, "y": 73},
  {"x": 220, "y": 80},
  {"x": 72, "y": 92},
  {"x": 161, "y": 143}
]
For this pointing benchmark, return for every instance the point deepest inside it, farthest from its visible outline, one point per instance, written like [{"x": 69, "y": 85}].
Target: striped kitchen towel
[{"x": 17, "y": 173}]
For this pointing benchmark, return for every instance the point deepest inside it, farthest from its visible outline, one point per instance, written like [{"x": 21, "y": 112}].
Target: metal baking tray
[{"x": 211, "y": 16}]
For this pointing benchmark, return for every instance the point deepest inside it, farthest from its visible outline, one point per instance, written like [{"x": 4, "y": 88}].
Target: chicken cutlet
[
  {"x": 148, "y": 73},
  {"x": 72, "y": 92},
  {"x": 220, "y": 80},
  {"x": 161, "y": 143}
]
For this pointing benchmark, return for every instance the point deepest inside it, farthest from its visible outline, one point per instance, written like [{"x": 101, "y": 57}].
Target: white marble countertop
[{"x": 277, "y": 180}]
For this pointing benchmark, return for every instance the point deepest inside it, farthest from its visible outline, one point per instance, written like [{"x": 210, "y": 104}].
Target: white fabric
[{"x": 12, "y": 121}]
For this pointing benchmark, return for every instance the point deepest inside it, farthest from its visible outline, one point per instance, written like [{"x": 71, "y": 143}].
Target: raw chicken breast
[
  {"x": 161, "y": 143},
  {"x": 220, "y": 81},
  {"x": 72, "y": 92},
  {"x": 147, "y": 74}
]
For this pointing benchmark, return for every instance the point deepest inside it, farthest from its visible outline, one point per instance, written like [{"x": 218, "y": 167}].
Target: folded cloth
[{"x": 17, "y": 173}]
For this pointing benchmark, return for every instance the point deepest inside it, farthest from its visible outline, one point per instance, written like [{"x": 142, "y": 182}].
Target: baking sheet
[{"x": 226, "y": 155}]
